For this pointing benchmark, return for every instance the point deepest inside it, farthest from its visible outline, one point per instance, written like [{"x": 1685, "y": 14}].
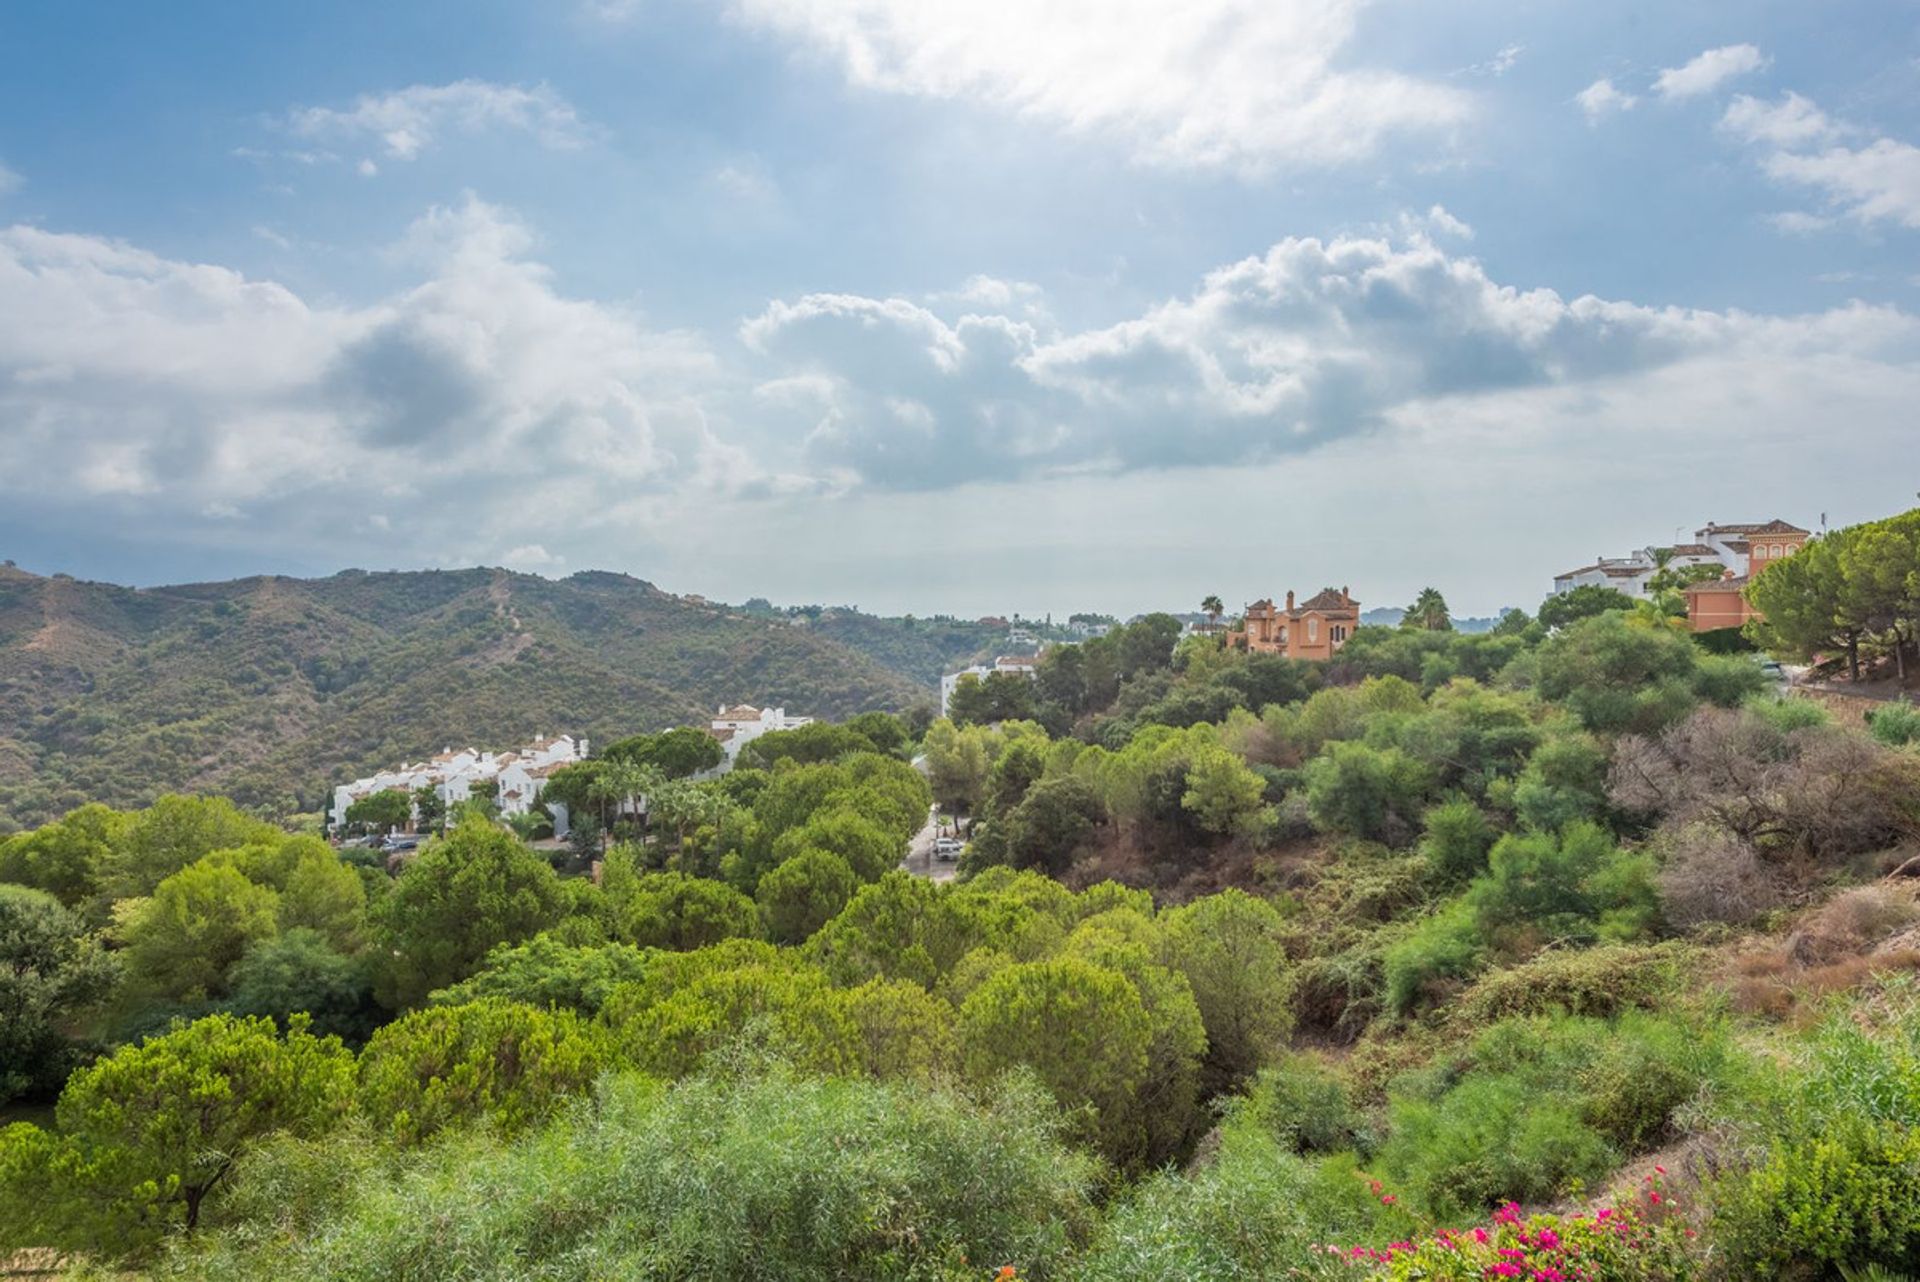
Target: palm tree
[
  {"x": 1213, "y": 607},
  {"x": 1428, "y": 611}
]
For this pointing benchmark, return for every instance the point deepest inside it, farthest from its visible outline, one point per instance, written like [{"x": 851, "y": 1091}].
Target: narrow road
[{"x": 920, "y": 861}]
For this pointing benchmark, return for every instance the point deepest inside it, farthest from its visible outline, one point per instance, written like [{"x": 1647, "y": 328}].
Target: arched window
[
  {"x": 1776, "y": 549},
  {"x": 1313, "y": 630}
]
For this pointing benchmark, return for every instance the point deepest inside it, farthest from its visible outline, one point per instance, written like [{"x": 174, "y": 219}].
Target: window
[
  {"x": 1339, "y": 633},
  {"x": 1776, "y": 549},
  {"x": 1313, "y": 630}
]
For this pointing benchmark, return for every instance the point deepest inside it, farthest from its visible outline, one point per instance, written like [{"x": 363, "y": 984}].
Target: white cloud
[
  {"x": 530, "y": 556},
  {"x": 1708, "y": 71},
  {"x": 989, "y": 291},
  {"x": 1273, "y": 356},
  {"x": 1600, "y": 100},
  {"x": 1246, "y": 85},
  {"x": 1877, "y": 182},
  {"x": 1791, "y": 122},
  {"x": 407, "y": 122},
  {"x": 9, "y": 181},
  {"x": 480, "y": 399}
]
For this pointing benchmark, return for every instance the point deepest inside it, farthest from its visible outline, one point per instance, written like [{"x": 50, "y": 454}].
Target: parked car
[
  {"x": 947, "y": 848},
  {"x": 394, "y": 845}
]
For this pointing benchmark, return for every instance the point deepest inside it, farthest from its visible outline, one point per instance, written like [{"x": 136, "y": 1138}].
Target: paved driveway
[{"x": 920, "y": 861}]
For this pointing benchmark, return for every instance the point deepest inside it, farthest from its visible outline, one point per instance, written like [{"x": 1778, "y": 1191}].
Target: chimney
[
  {"x": 1289, "y": 598},
  {"x": 1345, "y": 593}
]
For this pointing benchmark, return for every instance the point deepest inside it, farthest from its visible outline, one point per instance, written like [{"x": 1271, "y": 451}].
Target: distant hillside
[
  {"x": 1387, "y": 616},
  {"x": 271, "y": 689},
  {"x": 922, "y": 650}
]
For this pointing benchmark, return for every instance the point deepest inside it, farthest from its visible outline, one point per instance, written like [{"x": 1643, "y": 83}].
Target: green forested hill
[{"x": 270, "y": 689}]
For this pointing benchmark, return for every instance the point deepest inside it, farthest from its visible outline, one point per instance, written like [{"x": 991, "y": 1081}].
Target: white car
[{"x": 947, "y": 848}]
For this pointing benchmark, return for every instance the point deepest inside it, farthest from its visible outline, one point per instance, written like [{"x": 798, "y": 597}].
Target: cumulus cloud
[
  {"x": 1311, "y": 342},
  {"x": 1601, "y": 99},
  {"x": 1242, "y": 85},
  {"x": 1708, "y": 71},
  {"x": 1876, "y": 182},
  {"x": 479, "y": 400},
  {"x": 406, "y": 122}
]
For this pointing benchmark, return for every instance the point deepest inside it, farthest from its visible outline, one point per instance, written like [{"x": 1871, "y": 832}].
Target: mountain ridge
[{"x": 270, "y": 688}]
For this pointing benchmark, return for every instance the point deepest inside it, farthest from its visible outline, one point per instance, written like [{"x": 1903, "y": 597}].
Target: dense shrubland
[{"x": 1570, "y": 949}]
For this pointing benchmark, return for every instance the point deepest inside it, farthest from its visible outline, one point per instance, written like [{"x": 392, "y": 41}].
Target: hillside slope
[{"x": 270, "y": 689}]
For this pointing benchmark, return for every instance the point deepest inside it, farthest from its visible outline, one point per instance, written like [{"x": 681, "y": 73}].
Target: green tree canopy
[
  {"x": 501, "y": 1061},
  {"x": 147, "y": 1134},
  {"x": 460, "y": 897},
  {"x": 52, "y": 975},
  {"x": 803, "y": 894}
]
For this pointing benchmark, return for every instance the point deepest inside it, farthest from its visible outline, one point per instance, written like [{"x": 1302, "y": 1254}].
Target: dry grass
[{"x": 1851, "y": 940}]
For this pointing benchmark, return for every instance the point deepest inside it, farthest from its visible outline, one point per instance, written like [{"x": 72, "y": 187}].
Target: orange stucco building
[
  {"x": 1314, "y": 629},
  {"x": 1722, "y": 602}
]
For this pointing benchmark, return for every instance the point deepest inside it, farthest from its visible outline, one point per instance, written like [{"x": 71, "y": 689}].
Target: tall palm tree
[
  {"x": 1428, "y": 611},
  {"x": 1213, "y": 608}
]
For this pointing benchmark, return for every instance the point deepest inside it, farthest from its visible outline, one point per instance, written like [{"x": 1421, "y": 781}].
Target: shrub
[
  {"x": 546, "y": 971},
  {"x": 1257, "y": 1211},
  {"x": 1897, "y": 725},
  {"x": 1539, "y": 1104},
  {"x": 1440, "y": 953},
  {"x": 1642, "y": 1241},
  {"x": 793, "y": 1015},
  {"x": 1303, "y": 1105},
  {"x": 497, "y": 1061},
  {"x": 728, "y": 1180},
  {"x": 1455, "y": 839},
  {"x": 1600, "y": 981}
]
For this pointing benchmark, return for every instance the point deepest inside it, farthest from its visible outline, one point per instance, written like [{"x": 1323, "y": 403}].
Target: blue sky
[{"x": 925, "y": 306}]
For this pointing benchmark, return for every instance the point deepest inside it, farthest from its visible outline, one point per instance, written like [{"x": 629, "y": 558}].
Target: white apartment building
[
  {"x": 452, "y": 774},
  {"x": 1023, "y": 664},
  {"x": 737, "y": 726}
]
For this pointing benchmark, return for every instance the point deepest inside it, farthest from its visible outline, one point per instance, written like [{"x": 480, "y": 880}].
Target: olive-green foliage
[
  {"x": 790, "y": 1013},
  {"x": 815, "y": 742},
  {"x": 1541, "y": 1102},
  {"x": 674, "y": 911},
  {"x": 181, "y": 942},
  {"x": 1436, "y": 956},
  {"x": 1897, "y": 725},
  {"x": 381, "y": 811},
  {"x": 1082, "y": 1029},
  {"x": 459, "y": 898},
  {"x": 548, "y": 972},
  {"x": 1227, "y": 947},
  {"x": 1051, "y": 823},
  {"x": 53, "y": 974},
  {"x": 1366, "y": 792},
  {"x": 300, "y": 972},
  {"x": 1603, "y": 980},
  {"x": 1256, "y": 1211},
  {"x": 1455, "y": 837},
  {"x": 803, "y": 894},
  {"x": 500, "y": 1063},
  {"x": 732, "y": 1179},
  {"x": 1565, "y": 780},
  {"x": 65, "y": 858},
  {"x": 147, "y": 1134},
  {"x": 1583, "y": 602},
  {"x": 902, "y": 1030},
  {"x": 675, "y": 753},
  {"x": 900, "y": 927},
  {"x": 171, "y": 833},
  {"x": 1165, "y": 1109},
  {"x": 1617, "y": 673},
  {"x": 1834, "y": 1187},
  {"x": 1303, "y": 1104},
  {"x": 1577, "y": 885},
  {"x": 866, "y": 847}
]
